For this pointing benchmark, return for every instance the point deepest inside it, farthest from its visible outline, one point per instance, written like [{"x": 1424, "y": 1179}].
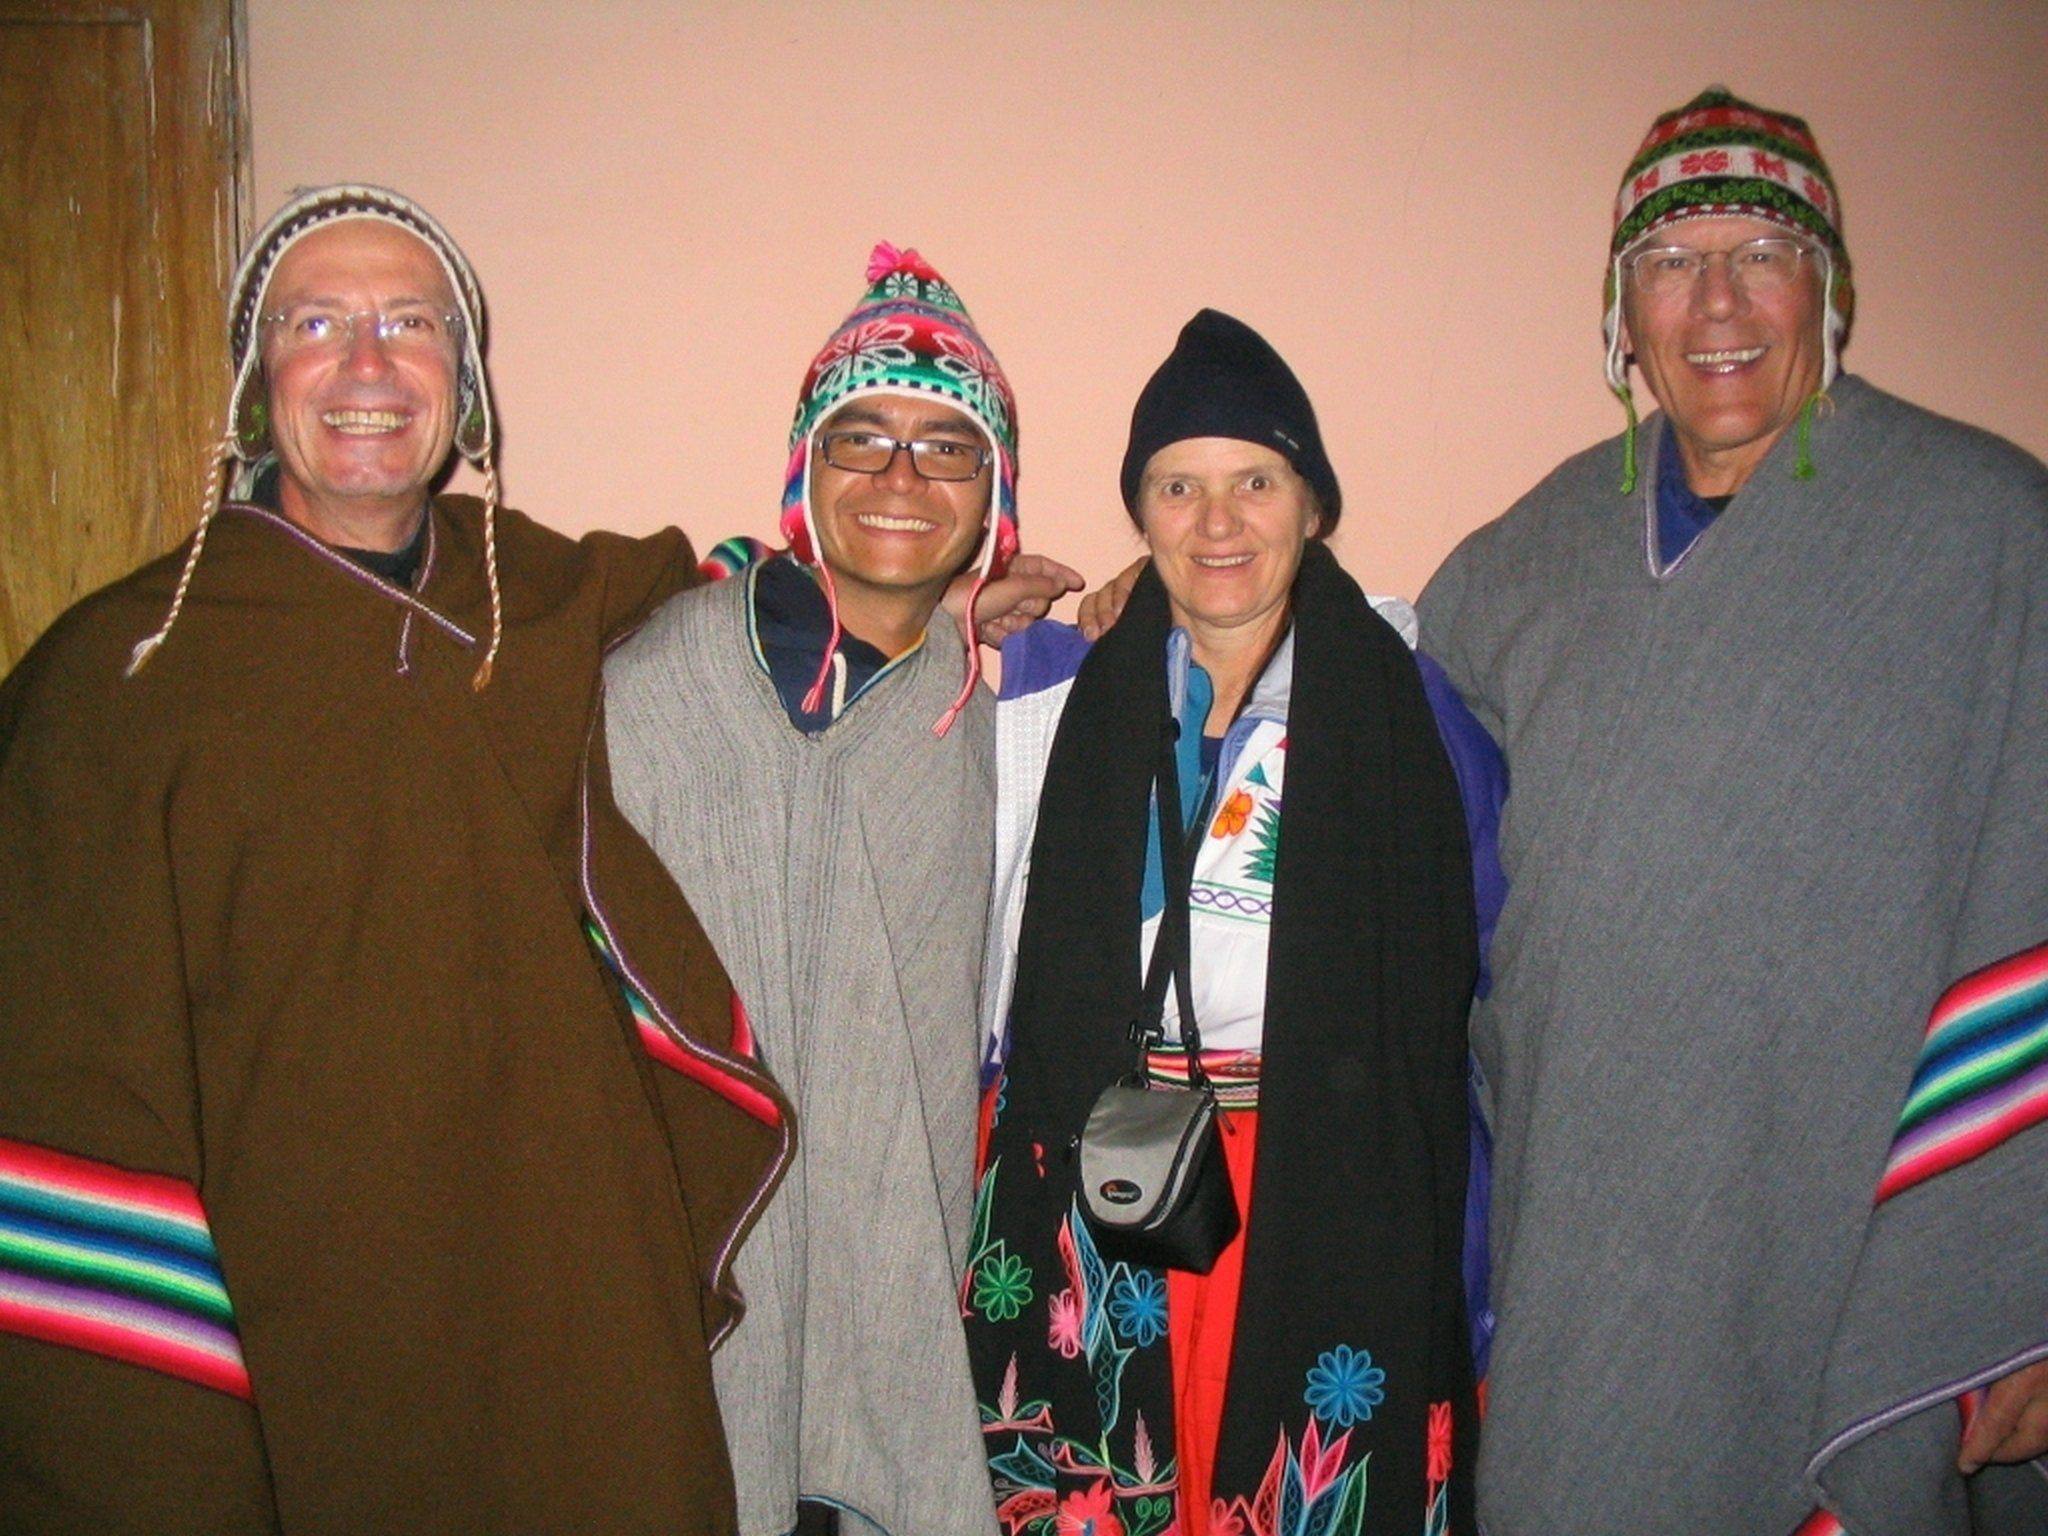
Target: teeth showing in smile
[
  {"x": 364, "y": 422},
  {"x": 1726, "y": 359},
  {"x": 1222, "y": 562},
  {"x": 895, "y": 524}
]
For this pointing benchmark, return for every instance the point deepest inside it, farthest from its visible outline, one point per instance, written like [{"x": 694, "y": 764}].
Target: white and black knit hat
[{"x": 248, "y": 433}]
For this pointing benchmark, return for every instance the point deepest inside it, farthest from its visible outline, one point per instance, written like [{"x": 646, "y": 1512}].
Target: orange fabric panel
[{"x": 1201, "y": 1319}]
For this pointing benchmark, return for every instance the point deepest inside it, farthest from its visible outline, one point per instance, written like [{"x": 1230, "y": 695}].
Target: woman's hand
[
  {"x": 1101, "y": 608},
  {"x": 1023, "y": 596},
  {"x": 2013, "y": 1423}
]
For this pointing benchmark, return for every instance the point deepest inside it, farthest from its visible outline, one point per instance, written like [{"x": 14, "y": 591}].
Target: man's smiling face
[
  {"x": 361, "y": 421},
  {"x": 893, "y": 533},
  {"x": 1731, "y": 367}
]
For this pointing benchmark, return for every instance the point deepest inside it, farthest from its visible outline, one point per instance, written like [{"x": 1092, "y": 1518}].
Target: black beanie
[{"x": 1224, "y": 379}]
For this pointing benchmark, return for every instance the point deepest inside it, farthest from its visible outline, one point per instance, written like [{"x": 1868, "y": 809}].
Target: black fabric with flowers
[{"x": 1351, "y": 1349}]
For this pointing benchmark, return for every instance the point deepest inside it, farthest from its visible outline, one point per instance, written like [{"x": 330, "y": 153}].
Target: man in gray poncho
[
  {"x": 1774, "y": 708},
  {"x": 819, "y": 771}
]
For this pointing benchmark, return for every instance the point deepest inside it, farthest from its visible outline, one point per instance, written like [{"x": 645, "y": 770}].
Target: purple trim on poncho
[{"x": 1483, "y": 784}]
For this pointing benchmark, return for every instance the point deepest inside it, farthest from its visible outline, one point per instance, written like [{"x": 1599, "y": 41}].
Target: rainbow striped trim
[
  {"x": 730, "y": 556},
  {"x": 1983, "y": 1072},
  {"x": 1233, "y": 1074},
  {"x": 115, "y": 1263},
  {"x": 664, "y": 1048}
]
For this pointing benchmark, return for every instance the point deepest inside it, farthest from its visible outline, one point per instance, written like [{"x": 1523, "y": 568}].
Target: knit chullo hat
[
  {"x": 1719, "y": 156},
  {"x": 910, "y": 334},
  {"x": 1223, "y": 379},
  {"x": 248, "y": 437}
]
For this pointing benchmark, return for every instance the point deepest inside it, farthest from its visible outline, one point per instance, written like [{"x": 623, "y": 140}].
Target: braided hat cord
[
  {"x": 147, "y": 646},
  {"x": 482, "y": 679}
]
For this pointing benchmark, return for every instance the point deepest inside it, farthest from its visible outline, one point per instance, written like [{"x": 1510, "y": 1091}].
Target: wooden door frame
[{"x": 197, "y": 121}]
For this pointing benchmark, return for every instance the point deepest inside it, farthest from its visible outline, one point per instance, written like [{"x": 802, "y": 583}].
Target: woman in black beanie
[{"x": 1331, "y": 973}]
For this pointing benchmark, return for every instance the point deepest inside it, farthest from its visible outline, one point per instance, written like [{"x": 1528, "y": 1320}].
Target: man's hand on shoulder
[
  {"x": 1101, "y": 608},
  {"x": 2013, "y": 1423},
  {"x": 1023, "y": 596}
]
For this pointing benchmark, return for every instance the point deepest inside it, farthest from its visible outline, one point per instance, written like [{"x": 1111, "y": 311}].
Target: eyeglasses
[
  {"x": 935, "y": 458},
  {"x": 1756, "y": 266},
  {"x": 325, "y": 328}
]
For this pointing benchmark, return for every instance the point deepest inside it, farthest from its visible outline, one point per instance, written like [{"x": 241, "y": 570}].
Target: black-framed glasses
[{"x": 862, "y": 452}]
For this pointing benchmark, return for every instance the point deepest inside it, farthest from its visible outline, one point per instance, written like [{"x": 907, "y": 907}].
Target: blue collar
[
  {"x": 1682, "y": 516},
  {"x": 790, "y": 625}
]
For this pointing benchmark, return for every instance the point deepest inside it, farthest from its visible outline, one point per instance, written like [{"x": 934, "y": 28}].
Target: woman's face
[{"x": 1226, "y": 521}]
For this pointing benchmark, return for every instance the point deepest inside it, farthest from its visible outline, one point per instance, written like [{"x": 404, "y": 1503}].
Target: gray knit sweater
[
  {"x": 1763, "y": 811},
  {"x": 844, "y": 879}
]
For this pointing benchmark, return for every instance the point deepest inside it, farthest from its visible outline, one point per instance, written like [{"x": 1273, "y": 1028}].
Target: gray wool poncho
[
  {"x": 1764, "y": 809},
  {"x": 844, "y": 880}
]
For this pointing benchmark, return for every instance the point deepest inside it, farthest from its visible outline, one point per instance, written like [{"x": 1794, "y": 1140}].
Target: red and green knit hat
[
  {"x": 1719, "y": 156},
  {"x": 910, "y": 334}
]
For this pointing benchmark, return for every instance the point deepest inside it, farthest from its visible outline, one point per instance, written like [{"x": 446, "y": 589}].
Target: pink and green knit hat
[
  {"x": 1719, "y": 156},
  {"x": 910, "y": 334}
]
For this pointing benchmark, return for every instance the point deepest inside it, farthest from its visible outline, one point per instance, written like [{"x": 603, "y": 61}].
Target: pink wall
[{"x": 670, "y": 206}]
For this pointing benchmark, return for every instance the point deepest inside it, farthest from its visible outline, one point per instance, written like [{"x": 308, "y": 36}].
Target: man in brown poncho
[{"x": 373, "y": 1147}]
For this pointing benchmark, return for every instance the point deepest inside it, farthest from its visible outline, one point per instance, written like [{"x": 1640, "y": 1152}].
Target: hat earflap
[{"x": 1617, "y": 373}]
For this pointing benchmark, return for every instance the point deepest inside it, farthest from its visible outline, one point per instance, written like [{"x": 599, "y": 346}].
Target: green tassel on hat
[
  {"x": 1628, "y": 441},
  {"x": 1802, "y": 466}
]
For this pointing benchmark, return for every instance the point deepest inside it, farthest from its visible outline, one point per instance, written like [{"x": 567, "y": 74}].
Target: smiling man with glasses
[
  {"x": 896, "y": 519},
  {"x": 1773, "y": 701},
  {"x": 374, "y": 1139},
  {"x": 808, "y": 749}
]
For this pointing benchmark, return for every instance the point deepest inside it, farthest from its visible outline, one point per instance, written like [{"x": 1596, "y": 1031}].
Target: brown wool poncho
[{"x": 296, "y": 1005}]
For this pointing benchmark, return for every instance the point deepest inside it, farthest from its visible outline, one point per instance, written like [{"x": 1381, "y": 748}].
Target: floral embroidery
[
  {"x": 1102, "y": 1475},
  {"x": 1114, "y": 1482},
  {"x": 1232, "y": 815},
  {"x": 1439, "y": 1442},
  {"x": 1002, "y": 1287},
  {"x": 1009, "y": 1414},
  {"x": 919, "y": 289},
  {"x": 1089, "y": 1513},
  {"x": 1034, "y": 1468},
  {"x": 1063, "y": 1328},
  {"x": 1309, "y": 1489},
  {"x": 1235, "y": 867},
  {"x": 975, "y": 373},
  {"x": 1344, "y": 1386},
  {"x": 1138, "y": 1307},
  {"x": 1437, "y": 1517},
  {"x": 860, "y": 355},
  {"x": 1265, "y": 853},
  {"x": 978, "y": 1245}
]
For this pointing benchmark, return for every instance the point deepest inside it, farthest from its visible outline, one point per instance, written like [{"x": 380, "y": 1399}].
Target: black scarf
[{"x": 1356, "y": 1224}]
